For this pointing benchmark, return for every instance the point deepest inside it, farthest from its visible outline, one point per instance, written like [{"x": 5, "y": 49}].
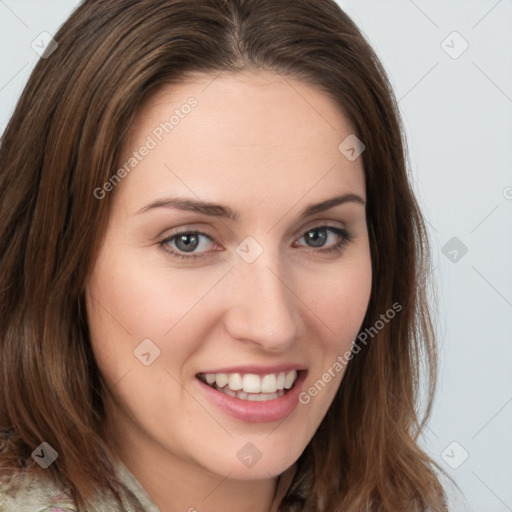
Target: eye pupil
[
  {"x": 190, "y": 241},
  {"x": 318, "y": 240}
]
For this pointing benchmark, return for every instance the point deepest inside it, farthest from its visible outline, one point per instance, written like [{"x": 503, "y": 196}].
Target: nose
[{"x": 263, "y": 309}]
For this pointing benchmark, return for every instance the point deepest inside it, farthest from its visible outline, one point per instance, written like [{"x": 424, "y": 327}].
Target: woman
[{"x": 213, "y": 268}]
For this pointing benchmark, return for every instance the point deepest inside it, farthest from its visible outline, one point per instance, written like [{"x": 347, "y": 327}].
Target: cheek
[
  {"x": 129, "y": 301},
  {"x": 340, "y": 299},
  {"x": 147, "y": 299},
  {"x": 118, "y": 320},
  {"x": 339, "y": 302}
]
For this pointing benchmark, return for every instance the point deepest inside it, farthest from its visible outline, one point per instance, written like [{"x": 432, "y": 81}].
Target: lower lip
[{"x": 256, "y": 412}]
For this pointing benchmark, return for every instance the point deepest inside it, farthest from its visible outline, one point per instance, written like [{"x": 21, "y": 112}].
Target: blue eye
[
  {"x": 320, "y": 234},
  {"x": 184, "y": 244}
]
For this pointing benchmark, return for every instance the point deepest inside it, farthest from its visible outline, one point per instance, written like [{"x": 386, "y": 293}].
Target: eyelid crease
[{"x": 312, "y": 224}]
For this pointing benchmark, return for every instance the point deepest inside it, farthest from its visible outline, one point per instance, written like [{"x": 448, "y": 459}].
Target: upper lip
[{"x": 258, "y": 369}]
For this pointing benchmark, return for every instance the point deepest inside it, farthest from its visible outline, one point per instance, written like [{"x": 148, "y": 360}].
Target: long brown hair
[{"x": 63, "y": 141}]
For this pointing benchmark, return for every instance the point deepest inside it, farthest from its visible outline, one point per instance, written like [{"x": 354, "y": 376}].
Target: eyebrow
[{"x": 225, "y": 212}]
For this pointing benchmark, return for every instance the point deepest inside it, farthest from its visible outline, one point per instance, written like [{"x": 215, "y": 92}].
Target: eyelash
[{"x": 345, "y": 238}]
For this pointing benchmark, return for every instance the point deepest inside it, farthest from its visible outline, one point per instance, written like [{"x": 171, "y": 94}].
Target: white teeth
[
  {"x": 252, "y": 383},
  {"x": 269, "y": 384},
  {"x": 291, "y": 377},
  {"x": 280, "y": 380},
  {"x": 229, "y": 392},
  {"x": 221, "y": 379},
  {"x": 252, "y": 397},
  {"x": 235, "y": 381}
]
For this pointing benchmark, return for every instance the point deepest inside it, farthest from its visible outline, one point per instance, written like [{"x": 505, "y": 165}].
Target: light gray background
[{"x": 458, "y": 117}]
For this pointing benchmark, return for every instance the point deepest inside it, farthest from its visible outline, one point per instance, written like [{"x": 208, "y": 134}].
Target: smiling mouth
[{"x": 251, "y": 387}]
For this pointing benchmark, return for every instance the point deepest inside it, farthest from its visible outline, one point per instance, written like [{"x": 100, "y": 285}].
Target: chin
[{"x": 255, "y": 460}]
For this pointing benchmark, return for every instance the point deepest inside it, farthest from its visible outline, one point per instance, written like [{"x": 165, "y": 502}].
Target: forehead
[{"x": 234, "y": 136}]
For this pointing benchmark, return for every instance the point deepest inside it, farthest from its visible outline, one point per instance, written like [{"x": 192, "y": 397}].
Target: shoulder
[{"x": 33, "y": 493}]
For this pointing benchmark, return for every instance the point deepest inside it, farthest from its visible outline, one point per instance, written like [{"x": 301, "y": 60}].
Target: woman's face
[{"x": 243, "y": 295}]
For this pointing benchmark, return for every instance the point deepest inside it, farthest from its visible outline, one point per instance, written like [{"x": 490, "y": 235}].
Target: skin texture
[{"x": 267, "y": 147}]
